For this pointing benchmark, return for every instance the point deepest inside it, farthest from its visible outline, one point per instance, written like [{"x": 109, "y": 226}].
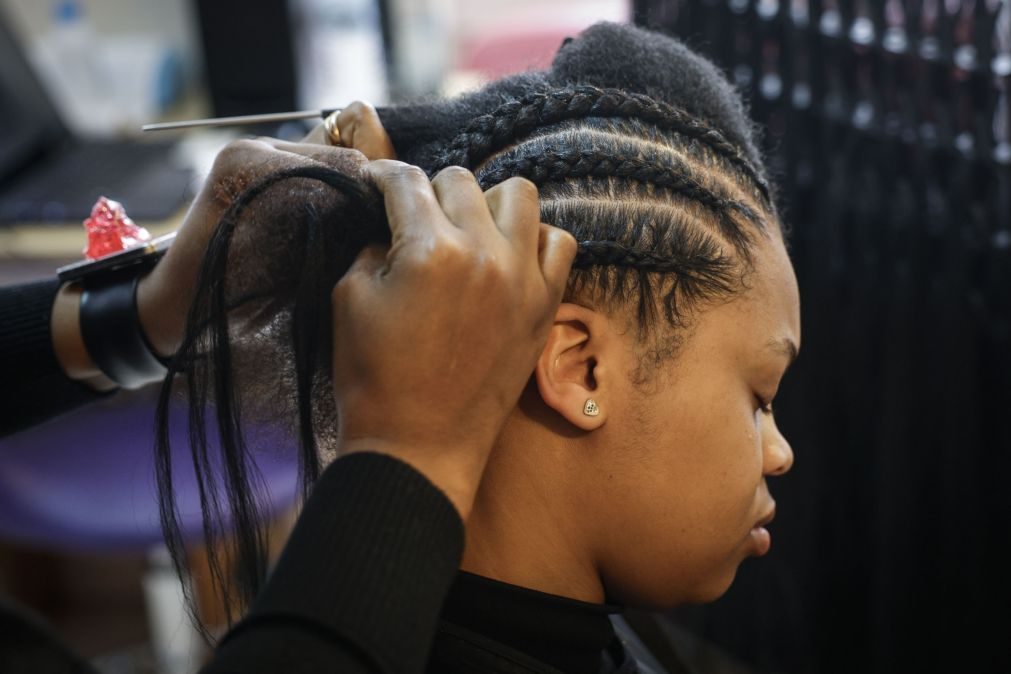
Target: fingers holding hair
[
  {"x": 412, "y": 207},
  {"x": 556, "y": 250},
  {"x": 360, "y": 129},
  {"x": 462, "y": 200},
  {"x": 515, "y": 206}
]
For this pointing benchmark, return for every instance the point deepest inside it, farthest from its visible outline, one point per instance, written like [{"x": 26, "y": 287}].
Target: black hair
[{"x": 639, "y": 147}]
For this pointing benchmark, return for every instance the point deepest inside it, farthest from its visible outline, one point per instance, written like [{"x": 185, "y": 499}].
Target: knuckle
[
  {"x": 448, "y": 251},
  {"x": 237, "y": 152},
  {"x": 361, "y": 110},
  {"x": 453, "y": 175},
  {"x": 521, "y": 189},
  {"x": 382, "y": 167},
  {"x": 354, "y": 110},
  {"x": 489, "y": 268},
  {"x": 408, "y": 173},
  {"x": 390, "y": 172},
  {"x": 523, "y": 186},
  {"x": 565, "y": 241}
]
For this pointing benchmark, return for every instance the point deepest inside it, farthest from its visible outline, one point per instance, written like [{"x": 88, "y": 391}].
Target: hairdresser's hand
[
  {"x": 360, "y": 129},
  {"x": 164, "y": 296},
  {"x": 436, "y": 336}
]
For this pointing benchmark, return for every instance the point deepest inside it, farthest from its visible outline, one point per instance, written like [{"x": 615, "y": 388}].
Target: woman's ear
[{"x": 572, "y": 372}]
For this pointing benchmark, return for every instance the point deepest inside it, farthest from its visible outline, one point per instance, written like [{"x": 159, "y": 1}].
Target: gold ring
[{"x": 333, "y": 134}]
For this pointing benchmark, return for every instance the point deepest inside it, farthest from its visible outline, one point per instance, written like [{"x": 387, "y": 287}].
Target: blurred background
[{"x": 888, "y": 130}]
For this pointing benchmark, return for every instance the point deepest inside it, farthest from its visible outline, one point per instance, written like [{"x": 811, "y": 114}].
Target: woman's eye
[{"x": 766, "y": 407}]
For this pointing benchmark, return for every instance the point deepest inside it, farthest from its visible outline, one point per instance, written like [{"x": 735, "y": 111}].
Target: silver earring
[{"x": 590, "y": 408}]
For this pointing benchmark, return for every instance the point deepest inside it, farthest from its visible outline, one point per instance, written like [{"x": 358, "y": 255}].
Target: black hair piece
[{"x": 208, "y": 333}]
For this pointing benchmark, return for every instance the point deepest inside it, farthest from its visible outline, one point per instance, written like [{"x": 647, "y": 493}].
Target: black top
[
  {"x": 362, "y": 581},
  {"x": 566, "y": 634},
  {"x": 34, "y": 386}
]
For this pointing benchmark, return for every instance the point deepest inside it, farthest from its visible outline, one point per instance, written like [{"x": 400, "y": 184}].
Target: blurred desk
[
  {"x": 60, "y": 241},
  {"x": 33, "y": 251},
  {"x": 30, "y": 251}
]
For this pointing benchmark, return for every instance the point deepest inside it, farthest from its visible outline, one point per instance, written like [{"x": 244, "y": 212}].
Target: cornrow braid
[
  {"x": 655, "y": 214},
  {"x": 514, "y": 120},
  {"x": 559, "y": 165},
  {"x": 699, "y": 272},
  {"x": 666, "y": 172},
  {"x": 613, "y": 254}
]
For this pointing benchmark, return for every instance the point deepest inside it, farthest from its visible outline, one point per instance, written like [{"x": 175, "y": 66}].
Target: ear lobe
[{"x": 570, "y": 376}]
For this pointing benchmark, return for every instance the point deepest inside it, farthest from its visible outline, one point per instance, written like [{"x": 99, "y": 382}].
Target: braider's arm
[{"x": 38, "y": 331}]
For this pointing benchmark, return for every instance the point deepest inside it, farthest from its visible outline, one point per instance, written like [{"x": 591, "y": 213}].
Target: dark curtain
[{"x": 889, "y": 132}]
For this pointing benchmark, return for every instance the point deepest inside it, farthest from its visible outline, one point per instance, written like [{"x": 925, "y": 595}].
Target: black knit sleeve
[
  {"x": 34, "y": 386},
  {"x": 361, "y": 582}
]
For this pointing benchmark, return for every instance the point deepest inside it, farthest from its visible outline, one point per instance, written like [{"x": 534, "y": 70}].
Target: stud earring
[{"x": 590, "y": 408}]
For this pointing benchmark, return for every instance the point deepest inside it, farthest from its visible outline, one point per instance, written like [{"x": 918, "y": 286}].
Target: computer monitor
[{"x": 249, "y": 56}]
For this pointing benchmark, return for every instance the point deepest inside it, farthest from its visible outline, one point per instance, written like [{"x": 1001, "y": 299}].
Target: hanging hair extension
[{"x": 326, "y": 248}]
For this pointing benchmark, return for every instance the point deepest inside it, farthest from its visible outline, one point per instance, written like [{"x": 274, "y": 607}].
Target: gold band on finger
[{"x": 333, "y": 134}]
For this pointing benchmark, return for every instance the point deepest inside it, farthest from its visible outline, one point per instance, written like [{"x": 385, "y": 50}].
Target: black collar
[{"x": 567, "y": 634}]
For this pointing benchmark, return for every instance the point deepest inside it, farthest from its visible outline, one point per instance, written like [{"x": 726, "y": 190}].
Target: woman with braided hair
[{"x": 631, "y": 471}]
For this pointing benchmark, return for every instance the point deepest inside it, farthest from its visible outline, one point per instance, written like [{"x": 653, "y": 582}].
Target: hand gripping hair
[{"x": 639, "y": 147}]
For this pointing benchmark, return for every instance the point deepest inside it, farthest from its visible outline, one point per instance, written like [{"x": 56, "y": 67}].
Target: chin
[
  {"x": 674, "y": 594},
  {"x": 711, "y": 588},
  {"x": 714, "y": 593}
]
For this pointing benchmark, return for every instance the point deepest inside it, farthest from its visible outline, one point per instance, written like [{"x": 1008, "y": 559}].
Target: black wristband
[{"x": 110, "y": 327}]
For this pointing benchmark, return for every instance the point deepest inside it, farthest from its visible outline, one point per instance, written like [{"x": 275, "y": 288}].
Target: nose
[{"x": 777, "y": 453}]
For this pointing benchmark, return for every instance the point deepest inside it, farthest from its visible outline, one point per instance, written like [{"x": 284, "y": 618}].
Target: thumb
[
  {"x": 362, "y": 130},
  {"x": 361, "y": 276},
  {"x": 370, "y": 262}
]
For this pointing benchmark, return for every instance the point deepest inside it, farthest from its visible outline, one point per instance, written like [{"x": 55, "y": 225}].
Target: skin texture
[{"x": 651, "y": 503}]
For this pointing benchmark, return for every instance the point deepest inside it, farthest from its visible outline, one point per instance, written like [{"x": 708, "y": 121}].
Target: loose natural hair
[{"x": 639, "y": 147}]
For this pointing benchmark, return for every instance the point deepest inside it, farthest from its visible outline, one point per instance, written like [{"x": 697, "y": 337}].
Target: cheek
[
  {"x": 702, "y": 451},
  {"x": 717, "y": 445},
  {"x": 719, "y": 471},
  {"x": 689, "y": 489}
]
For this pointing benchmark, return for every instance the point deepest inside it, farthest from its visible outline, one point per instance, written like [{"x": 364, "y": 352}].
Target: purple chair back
[{"x": 85, "y": 481}]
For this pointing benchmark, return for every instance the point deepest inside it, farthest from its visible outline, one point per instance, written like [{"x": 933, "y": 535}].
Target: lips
[{"x": 760, "y": 535}]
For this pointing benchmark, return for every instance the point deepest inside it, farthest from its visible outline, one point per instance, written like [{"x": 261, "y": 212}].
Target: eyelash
[{"x": 766, "y": 407}]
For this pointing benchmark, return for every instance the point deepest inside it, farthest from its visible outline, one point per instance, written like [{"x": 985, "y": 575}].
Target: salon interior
[{"x": 888, "y": 131}]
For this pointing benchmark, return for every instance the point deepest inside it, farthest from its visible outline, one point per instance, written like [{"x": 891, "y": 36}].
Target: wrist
[
  {"x": 68, "y": 344},
  {"x": 110, "y": 329},
  {"x": 160, "y": 325}
]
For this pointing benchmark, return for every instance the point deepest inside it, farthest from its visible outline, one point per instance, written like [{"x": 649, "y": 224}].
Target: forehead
[
  {"x": 765, "y": 312},
  {"x": 772, "y": 299}
]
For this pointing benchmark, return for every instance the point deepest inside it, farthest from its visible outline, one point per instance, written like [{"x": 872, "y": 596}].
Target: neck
[{"x": 525, "y": 527}]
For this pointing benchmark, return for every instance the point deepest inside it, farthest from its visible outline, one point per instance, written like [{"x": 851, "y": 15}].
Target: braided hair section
[
  {"x": 515, "y": 120},
  {"x": 665, "y": 208},
  {"x": 568, "y": 154},
  {"x": 645, "y": 255}
]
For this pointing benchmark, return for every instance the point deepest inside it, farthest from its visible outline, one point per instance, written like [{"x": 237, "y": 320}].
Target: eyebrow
[{"x": 786, "y": 347}]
